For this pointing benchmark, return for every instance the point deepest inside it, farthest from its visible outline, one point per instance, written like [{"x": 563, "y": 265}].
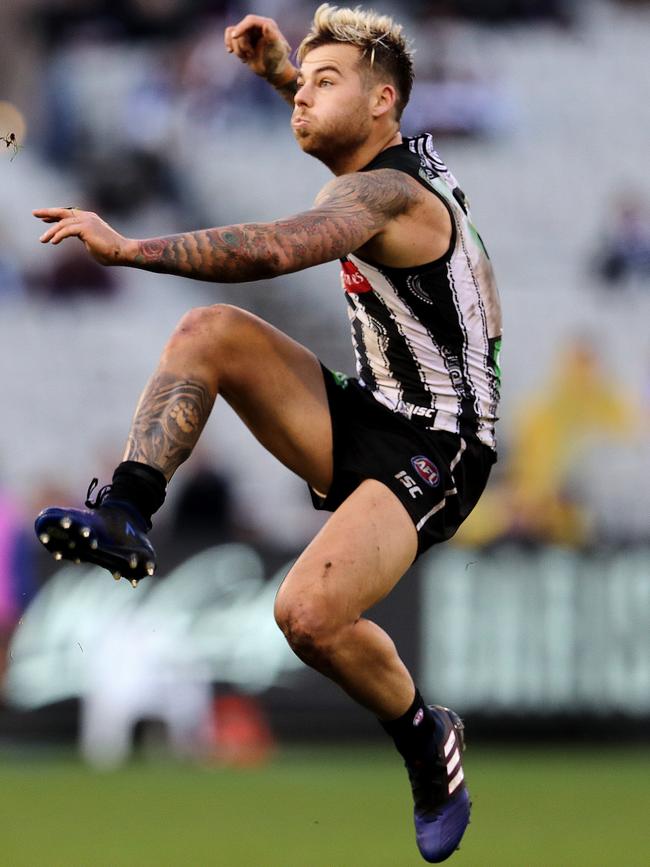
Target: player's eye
[{"x": 325, "y": 82}]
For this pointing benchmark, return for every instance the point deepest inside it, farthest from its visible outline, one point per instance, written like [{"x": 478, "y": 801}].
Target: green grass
[{"x": 323, "y": 808}]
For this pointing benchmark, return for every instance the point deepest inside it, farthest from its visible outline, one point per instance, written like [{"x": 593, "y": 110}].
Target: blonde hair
[{"x": 384, "y": 48}]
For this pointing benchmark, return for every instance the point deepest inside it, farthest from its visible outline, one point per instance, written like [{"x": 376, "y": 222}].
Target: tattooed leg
[
  {"x": 274, "y": 384},
  {"x": 168, "y": 421}
]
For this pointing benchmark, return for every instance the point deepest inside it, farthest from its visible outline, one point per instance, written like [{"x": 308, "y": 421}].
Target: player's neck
[{"x": 365, "y": 154}]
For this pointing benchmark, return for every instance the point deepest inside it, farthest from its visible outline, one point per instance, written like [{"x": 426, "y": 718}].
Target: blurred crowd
[
  {"x": 536, "y": 497},
  {"x": 623, "y": 260}
]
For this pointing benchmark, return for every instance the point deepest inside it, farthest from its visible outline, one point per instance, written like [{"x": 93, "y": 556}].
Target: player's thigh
[
  {"x": 276, "y": 387},
  {"x": 354, "y": 561}
]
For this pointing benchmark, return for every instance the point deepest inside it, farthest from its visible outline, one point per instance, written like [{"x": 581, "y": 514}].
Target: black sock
[
  {"x": 414, "y": 733},
  {"x": 139, "y": 485}
]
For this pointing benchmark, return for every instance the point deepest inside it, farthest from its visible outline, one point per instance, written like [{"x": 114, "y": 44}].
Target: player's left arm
[{"x": 348, "y": 212}]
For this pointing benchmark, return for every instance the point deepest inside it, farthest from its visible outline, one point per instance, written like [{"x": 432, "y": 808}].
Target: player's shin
[{"x": 168, "y": 421}]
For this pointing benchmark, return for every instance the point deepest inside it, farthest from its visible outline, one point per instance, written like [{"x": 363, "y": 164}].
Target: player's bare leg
[
  {"x": 353, "y": 563},
  {"x": 272, "y": 382}
]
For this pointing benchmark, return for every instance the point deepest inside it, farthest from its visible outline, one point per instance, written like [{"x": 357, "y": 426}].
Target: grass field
[{"x": 324, "y": 807}]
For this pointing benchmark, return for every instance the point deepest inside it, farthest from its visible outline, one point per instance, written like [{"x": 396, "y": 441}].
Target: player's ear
[{"x": 384, "y": 98}]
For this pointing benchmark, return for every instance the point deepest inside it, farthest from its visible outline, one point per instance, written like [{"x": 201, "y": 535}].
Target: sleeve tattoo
[
  {"x": 288, "y": 90},
  {"x": 349, "y": 211},
  {"x": 275, "y": 57}
]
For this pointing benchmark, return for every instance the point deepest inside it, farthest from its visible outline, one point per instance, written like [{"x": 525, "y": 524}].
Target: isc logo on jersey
[
  {"x": 352, "y": 279},
  {"x": 426, "y": 470}
]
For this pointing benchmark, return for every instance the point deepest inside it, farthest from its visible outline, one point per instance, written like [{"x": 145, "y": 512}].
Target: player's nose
[{"x": 304, "y": 95}]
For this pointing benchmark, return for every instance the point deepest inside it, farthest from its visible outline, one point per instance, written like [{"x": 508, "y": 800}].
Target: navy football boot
[
  {"x": 112, "y": 535},
  {"x": 442, "y": 804}
]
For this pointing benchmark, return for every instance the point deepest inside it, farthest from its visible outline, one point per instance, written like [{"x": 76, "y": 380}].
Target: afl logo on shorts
[
  {"x": 426, "y": 470},
  {"x": 352, "y": 279}
]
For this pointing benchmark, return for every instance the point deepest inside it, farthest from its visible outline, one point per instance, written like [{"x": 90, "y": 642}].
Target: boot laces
[{"x": 100, "y": 496}]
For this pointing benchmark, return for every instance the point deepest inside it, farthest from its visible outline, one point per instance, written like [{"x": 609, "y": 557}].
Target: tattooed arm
[
  {"x": 258, "y": 42},
  {"x": 349, "y": 211}
]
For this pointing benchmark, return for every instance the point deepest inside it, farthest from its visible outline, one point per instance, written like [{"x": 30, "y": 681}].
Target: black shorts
[{"x": 437, "y": 476}]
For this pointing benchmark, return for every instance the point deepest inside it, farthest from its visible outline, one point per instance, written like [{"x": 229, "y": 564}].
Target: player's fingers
[
  {"x": 243, "y": 43},
  {"x": 256, "y": 27},
  {"x": 270, "y": 30},
  {"x": 49, "y": 233},
  {"x": 69, "y": 231},
  {"x": 47, "y": 236},
  {"x": 50, "y": 214},
  {"x": 236, "y": 46},
  {"x": 238, "y": 51},
  {"x": 230, "y": 39},
  {"x": 248, "y": 22}
]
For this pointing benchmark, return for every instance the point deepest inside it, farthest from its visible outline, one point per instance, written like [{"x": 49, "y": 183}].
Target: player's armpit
[{"x": 349, "y": 211}]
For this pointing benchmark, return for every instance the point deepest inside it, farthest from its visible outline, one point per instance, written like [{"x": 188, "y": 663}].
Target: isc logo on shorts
[
  {"x": 409, "y": 483},
  {"x": 426, "y": 470}
]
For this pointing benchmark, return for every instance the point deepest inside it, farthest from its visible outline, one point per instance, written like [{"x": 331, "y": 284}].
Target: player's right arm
[
  {"x": 259, "y": 43},
  {"x": 349, "y": 211}
]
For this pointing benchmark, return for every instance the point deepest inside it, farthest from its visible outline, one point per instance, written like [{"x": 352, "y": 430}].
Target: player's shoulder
[{"x": 383, "y": 189}]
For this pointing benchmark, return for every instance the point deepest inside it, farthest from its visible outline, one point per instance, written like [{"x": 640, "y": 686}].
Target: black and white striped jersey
[{"x": 427, "y": 339}]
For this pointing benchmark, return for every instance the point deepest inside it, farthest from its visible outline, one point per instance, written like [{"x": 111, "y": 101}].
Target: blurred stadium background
[{"x": 170, "y": 725}]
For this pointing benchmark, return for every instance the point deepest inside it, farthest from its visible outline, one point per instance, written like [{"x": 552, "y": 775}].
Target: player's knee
[
  {"x": 310, "y": 629},
  {"x": 209, "y": 327}
]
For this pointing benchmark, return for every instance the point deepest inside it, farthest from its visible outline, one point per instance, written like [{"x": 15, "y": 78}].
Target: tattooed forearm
[
  {"x": 279, "y": 72},
  {"x": 288, "y": 90},
  {"x": 349, "y": 211},
  {"x": 153, "y": 249},
  {"x": 168, "y": 421}
]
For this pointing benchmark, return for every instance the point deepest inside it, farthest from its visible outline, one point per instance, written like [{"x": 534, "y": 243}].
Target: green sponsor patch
[{"x": 341, "y": 379}]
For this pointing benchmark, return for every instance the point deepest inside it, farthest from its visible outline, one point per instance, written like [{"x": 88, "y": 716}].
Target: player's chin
[{"x": 304, "y": 139}]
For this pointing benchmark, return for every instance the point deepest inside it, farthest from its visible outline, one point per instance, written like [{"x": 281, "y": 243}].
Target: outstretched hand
[
  {"x": 103, "y": 243},
  {"x": 258, "y": 42}
]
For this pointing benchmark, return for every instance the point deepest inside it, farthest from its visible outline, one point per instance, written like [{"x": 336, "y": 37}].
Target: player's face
[{"x": 332, "y": 113}]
